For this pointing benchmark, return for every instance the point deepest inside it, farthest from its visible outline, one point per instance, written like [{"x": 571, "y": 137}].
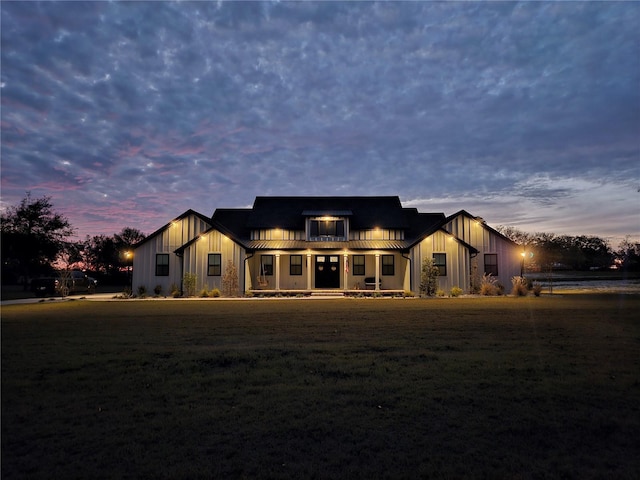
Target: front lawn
[{"x": 522, "y": 388}]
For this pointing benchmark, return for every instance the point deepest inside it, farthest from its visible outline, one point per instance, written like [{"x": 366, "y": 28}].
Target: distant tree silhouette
[{"x": 33, "y": 237}]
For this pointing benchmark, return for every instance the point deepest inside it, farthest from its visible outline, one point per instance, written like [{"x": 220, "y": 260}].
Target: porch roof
[{"x": 349, "y": 245}]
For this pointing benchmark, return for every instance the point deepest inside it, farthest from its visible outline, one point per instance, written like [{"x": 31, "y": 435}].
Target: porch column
[
  {"x": 407, "y": 275},
  {"x": 346, "y": 271},
  {"x": 277, "y": 271},
  {"x": 248, "y": 285},
  {"x": 308, "y": 271},
  {"x": 377, "y": 271}
]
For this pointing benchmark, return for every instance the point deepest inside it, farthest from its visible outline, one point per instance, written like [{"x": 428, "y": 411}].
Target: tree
[
  {"x": 516, "y": 235},
  {"x": 628, "y": 255},
  {"x": 33, "y": 236},
  {"x": 101, "y": 254},
  {"x": 124, "y": 242},
  {"x": 230, "y": 280},
  {"x": 109, "y": 254},
  {"x": 429, "y": 277}
]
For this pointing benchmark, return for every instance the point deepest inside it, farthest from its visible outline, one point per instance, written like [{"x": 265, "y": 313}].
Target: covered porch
[{"x": 271, "y": 272}]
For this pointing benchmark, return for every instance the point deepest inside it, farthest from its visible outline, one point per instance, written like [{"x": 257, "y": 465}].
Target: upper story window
[{"x": 329, "y": 228}]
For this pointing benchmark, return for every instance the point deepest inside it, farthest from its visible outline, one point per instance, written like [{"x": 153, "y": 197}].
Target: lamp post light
[
  {"x": 522, "y": 265},
  {"x": 128, "y": 255}
]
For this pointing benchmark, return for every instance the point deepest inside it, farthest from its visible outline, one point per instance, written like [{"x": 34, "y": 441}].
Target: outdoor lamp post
[
  {"x": 522, "y": 265},
  {"x": 128, "y": 255}
]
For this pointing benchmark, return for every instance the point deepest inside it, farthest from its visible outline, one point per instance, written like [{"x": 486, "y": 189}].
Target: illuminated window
[
  {"x": 358, "y": 264},
  {"x": 388, "y": 265},
  {"x": 214, "y": 265},
  {"x": 327, "y": 229},
  {"x": 295, "y": 265},
  {"x": 440, "y": 261},
  {"x": 162, "y": 265},
  {"x": 491, "y": 264}
]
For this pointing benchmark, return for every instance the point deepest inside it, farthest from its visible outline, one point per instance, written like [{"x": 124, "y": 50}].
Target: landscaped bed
[{"x": 524, "y": 388}]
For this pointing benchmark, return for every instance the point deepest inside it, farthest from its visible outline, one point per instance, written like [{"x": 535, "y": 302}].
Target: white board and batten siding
[
  {"x": 166, "y": 240},
  {"x": 457, "y": 261},
  {"x": 197, "y": 254},
  {"x": 487, "y": 241}
]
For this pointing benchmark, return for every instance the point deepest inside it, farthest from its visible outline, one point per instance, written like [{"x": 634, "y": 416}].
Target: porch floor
[{"x": 326, "y": 293}]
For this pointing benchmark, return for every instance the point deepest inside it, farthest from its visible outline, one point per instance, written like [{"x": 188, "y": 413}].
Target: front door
[{"x": 327, "y": 271}]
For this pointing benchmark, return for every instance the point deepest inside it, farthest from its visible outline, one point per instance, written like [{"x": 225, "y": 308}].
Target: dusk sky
[{"x": 129, "y": 113}]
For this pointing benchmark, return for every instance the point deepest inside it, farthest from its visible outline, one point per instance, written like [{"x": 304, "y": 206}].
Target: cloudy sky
[{"x": 130, "y": 113}]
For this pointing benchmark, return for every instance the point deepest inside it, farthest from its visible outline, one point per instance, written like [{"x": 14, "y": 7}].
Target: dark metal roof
[
  {"x": 334, "y": 213},
  {"x": 287, "y": 212},
  {"x": 348, "y": 245}
]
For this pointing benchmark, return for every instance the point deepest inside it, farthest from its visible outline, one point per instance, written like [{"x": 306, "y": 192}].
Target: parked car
[{"x": 64, "y": 284}]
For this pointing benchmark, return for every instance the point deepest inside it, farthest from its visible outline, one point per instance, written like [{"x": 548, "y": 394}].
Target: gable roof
[
  {"x": 164, "y": 227},
  {"x": 464, "y": 213}
]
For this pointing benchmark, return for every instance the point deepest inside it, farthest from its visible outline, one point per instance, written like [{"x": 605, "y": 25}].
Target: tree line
[
  {"x": 548, "y": 251},
  {"x": 35, "y": 242}
]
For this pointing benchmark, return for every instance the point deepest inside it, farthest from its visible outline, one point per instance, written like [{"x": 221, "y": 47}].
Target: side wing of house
[
  {"x": 450, "y": 255},
  {"x": 497, "y": 255},
  {"x": 208, "y": 255},
  {"x": 155, "y": 261}
]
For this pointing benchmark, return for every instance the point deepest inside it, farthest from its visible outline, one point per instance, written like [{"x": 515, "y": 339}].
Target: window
[
  {"x": 358, "y": 264},
  {"x": 295, "y": 265},
  {"x": 387, "y": 265},
  {"x": 162, "y": 265},
  {"x": 266, "y": 264},
  {"x": 440, "y": 261},
  {"x": 491, "y": 264},
  {"x": 214, "y": 265},
  {"x": 326, "y": 228}
]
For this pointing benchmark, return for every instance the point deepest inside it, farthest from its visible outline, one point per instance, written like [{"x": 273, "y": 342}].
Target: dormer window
[{"x": 327, "y": 229}]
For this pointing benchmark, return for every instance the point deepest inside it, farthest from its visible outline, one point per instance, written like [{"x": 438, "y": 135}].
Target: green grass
[{"x": 517, "y": 388}]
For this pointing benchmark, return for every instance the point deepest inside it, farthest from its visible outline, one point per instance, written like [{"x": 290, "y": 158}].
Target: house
[{"x": 318, "y": 244}]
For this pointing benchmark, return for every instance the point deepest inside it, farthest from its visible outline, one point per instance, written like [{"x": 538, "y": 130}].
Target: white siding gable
[
  {"x": 165, "y": 241},
  {"x": 457, "y": 257},
  {"x": 486, "y": 241},
  {"x": 196, "y": 259}
]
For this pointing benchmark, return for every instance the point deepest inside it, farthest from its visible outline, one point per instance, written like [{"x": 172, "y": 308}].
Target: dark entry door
[{"x": 327, "y": 271}]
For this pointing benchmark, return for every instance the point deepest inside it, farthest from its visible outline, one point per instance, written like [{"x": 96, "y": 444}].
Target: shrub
[
  {"x": 189, "y": 283},
  {"x": 537, "y": 289},
  {"x": 175, "y": 290},
  {"x": 456, "y": 291},
  {"x": 157, "y": 289},
  {"x": 142, "y": 291},
  {"x": 519, "y": 286},
  {"x": 440, "y": 292},
  {"x": 214, "y": 293},
  {"x": 488, "y": 285},
  {"x": 204, "y": 293}
]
